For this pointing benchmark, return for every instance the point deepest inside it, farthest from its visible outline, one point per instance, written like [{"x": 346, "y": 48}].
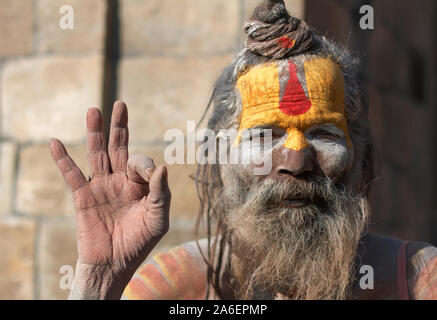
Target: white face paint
[
  {"x": 256, "y": 149},
  {"x": 330, "y": 144}
]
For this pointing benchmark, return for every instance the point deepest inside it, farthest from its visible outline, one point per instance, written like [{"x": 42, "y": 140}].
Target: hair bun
[
  {"x": 270, "y": 11},
  {"x": 273, "y": 33}
]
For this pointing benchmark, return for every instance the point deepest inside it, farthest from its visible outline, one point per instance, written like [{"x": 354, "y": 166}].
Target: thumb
[{"x": 158, "y": 200}]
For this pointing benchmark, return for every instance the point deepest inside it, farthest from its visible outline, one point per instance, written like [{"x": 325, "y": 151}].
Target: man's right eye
[
  {"x": 262, "y": 133},
  {"x": 256, "y": 135}
]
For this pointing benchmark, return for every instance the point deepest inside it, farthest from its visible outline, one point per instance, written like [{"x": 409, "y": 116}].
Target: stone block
[
  {"x": 163, "y": 93},
  {"x": 48, "y": 97},
  {"x": 7, "y": 174},
  {"x": 16, "y": 27},
  {"x": 17, "y": 259},
  {"x": 56, "y": 248},
  {"x": 179, "y": 27},
  {"x": 87, "y": 35},
  {"x": 41, "y": 190}
]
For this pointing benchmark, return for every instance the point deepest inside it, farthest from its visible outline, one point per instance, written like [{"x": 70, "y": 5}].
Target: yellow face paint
[{"x": 293, "y": 98}]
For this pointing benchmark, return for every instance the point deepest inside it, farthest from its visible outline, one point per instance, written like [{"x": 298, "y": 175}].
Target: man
[{"x": 296, "y": 232}]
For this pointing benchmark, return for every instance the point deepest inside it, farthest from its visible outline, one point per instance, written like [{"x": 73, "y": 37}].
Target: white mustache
[{"x": 269, "y": 193}]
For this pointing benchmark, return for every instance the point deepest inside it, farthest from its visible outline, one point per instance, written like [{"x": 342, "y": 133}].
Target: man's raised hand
[{"x": 122, "y": 211}]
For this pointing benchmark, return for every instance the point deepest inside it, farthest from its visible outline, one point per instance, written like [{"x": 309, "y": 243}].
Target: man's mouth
[{"x": 294, "y": 203}]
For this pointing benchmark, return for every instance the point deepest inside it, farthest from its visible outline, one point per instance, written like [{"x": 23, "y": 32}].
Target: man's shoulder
[
  {"x": 390, "y": 245},
  {"x": 177, "y": 273},
  {"x": 420, "y": 260},
  {"x": 389, "y": 255},
  {"x": 422, "y": 270},
  {"x": 380, "y": 251}
]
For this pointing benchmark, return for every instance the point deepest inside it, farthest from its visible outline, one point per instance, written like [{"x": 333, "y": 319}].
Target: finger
[
  {"x": 158, "y": 200},
  {"x": 140, "y": 169},
  {"x": 73, "y": 176},
  {"x": 96, "y": 143},
  {"x": 119, "y": 138}
]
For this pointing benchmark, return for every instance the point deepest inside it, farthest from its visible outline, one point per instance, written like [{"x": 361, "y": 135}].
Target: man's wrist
[{"x": 98, "y": 282}]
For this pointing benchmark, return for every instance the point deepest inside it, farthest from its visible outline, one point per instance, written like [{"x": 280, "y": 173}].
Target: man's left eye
[{"x": 325, "y": 134}]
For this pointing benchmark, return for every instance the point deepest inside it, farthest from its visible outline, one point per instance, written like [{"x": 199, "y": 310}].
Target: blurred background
[{"x": 161, "y": 57}]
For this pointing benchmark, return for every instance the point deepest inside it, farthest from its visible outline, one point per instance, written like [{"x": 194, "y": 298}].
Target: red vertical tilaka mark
[{"x": 294, "y": 102}]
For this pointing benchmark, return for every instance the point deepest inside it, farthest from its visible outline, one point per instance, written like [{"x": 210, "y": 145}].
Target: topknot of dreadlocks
[{"x": 273, "y": 33}]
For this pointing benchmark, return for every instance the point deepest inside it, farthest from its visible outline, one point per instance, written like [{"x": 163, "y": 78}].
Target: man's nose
[{"x": 294, "y": 163}]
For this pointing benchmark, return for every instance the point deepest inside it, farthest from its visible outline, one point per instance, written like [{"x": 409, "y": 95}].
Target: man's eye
[
  {"x": 257, "y": 135},
  {"x": 324, "y": 134},
  {"x": 264, "y": 133}
]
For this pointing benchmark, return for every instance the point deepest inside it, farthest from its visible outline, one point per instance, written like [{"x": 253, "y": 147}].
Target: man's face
[
  {"x": 303, "y": 103},
  {"x": 294, "y": 230}
]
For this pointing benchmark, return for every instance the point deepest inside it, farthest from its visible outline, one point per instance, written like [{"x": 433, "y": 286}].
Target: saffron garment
[
  {"x": 423, "y": 284},
  {"x": 180, "y": 274}
]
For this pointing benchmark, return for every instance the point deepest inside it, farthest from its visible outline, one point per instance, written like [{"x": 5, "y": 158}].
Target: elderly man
[{"x": 296, "y": 232}]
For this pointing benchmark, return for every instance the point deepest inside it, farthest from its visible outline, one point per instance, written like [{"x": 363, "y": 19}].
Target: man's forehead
[
  {"x": 293, "y": 95},
  {"x": 296, "y": 82}
]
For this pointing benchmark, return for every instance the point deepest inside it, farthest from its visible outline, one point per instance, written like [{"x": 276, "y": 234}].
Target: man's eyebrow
[
  {"x": 274, "y": 128},
  {"x": 332, "y": 128},
  {"x": 265, "y": 126},
  {"x": 262, "y": 126},
  {"x": 326, "y": 126}
]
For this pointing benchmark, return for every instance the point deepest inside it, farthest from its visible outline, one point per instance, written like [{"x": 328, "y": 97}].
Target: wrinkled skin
[
  {"x": 122, "y": 211},
  {"x": 327, "y": 155}
]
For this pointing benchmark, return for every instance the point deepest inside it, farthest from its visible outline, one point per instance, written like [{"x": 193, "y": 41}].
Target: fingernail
[
  {"x": 164, "y": 172},
  {"x": 149, "y": 172}
]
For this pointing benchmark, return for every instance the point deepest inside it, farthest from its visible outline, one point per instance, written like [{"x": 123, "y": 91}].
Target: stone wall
[
  {"x": 48, "y": 79},
  {"x": 160, "y": 56}
]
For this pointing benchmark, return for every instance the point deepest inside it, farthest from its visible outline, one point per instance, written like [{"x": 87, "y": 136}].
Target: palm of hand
[{"x": 122, "y": 212}]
